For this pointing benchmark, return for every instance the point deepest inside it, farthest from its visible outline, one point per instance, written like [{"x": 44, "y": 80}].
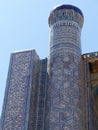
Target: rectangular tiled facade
[
  {"x": 38, "y": 97},
  {"x": 41, "y": 96},
  {"x": 15, "y": 113},
  {"x": 25, "y": 96}
]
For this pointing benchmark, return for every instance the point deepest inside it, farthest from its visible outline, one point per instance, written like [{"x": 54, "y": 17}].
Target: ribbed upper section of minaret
[{"x": 66, "y": 12}]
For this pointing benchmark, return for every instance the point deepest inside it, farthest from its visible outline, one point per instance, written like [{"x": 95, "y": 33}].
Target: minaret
[{"x": 64, "y": 93}]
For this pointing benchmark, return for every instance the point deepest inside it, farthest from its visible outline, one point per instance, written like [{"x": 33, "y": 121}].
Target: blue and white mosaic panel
[{"x": 17, "y": 95}]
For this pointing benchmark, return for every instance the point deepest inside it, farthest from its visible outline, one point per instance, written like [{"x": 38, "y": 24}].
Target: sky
[{"x": 24, "y": 25}]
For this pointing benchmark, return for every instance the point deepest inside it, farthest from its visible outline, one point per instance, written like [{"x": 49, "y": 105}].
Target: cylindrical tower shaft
[{"x": 64, "y": 93}]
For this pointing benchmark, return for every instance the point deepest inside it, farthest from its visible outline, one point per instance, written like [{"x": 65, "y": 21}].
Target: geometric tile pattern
[
  {"x": 15, "y": 113},
  {"x": 37, "y": 100},
  {"x": 64, "y": 94},
  {"x": 68, "y": 13}
]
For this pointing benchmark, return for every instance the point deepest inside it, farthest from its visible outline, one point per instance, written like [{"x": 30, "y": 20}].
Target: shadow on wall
[{"x": 95, "y": 96}]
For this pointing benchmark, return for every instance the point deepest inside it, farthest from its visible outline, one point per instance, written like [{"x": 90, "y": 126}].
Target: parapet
[
  {"x": 68, "y": 13},
  {"x": 91, "y": 55},
  {"x": 92, "y": 59}
]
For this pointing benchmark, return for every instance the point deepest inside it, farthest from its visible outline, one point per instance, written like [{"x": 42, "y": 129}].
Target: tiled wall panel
[
  {"x": 64, "y": 93},
  {"x": 15, "y": 113}
]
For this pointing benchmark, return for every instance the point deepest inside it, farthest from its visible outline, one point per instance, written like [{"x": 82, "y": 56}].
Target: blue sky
[{"x": 24, "y": 25}]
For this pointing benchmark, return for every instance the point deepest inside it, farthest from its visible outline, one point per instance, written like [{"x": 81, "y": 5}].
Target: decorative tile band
[{"x": 66, "y": 12}]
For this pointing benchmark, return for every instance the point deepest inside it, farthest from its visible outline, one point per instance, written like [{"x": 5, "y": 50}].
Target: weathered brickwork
[
  {"x": 64, "y": 95},
  {"x": 17, "y": 97}
]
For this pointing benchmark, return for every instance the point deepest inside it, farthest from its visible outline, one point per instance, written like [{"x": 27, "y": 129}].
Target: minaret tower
[{"x": 64, "y": 94}]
